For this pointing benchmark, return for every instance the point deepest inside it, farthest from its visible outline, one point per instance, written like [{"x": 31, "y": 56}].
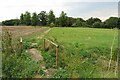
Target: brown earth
[{"x": 23, "y": 31}]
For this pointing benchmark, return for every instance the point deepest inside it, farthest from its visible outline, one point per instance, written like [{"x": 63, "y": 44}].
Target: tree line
[{"x": 49, "y": 19}]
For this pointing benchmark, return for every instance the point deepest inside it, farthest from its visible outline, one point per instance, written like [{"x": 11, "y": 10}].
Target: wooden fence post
[
  {"x": 44, "y": 44},
  {"x": 56, "y": 50},
  {"x": 21, "y": 44},
  {"x": 57, "y": 56}
]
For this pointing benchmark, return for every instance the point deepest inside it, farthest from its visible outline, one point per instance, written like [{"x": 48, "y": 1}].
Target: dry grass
[{"x": 21, "y": 31}]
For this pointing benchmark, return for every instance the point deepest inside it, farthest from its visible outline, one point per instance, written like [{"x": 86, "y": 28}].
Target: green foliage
[
  {"x": 49, "y": 59},
  {"x": 97, "y": 25},
  {"x": 83, "y": 55},
  {"x": 52, "y": 25},
  {"x": 92, "y": 20},
  {"x": 16, "y": 65},
  {"x": 43, "y": 18},
  {"x": 112, "y": 22},
  {"x": 34, "y": 19},
  {"x": 61, "y": 73},
  {"x": 19, "y": 66},
  {"x": 27, "y": 18},
  {"x": 7, "y": 42},
  {"x": 70, "y": 21},
  {"x": 22, "y": 22},
  {"x": 51, "y": 18},
  {"x": 57, "y": 22},
  {"x": 78, "y": 22},
  {"x": 63, "y": 19},
  {"x": 11, "y": 22},
  {"x": 26, "y": 44},
  {"x": 0, "y": 23},
  {"x": 74, "y": 25},
  {"x": 118, "y": 26}
]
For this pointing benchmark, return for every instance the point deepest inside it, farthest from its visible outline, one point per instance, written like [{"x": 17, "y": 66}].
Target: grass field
[
  {"x": 83, "y": 52},
  {"x": 86, "y": 37}
]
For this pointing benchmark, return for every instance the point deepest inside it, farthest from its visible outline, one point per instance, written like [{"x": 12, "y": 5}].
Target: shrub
[
  {"x": 7, "y": 42},
  {"x": 52, "y": 25},
  {"x": 97, "y": 25},
  {"x": 19, "y": 66},
  {"x": 61, "y": 73},
  {"x": 49, "y": 59},
  {"x": 15, "y": 65}
]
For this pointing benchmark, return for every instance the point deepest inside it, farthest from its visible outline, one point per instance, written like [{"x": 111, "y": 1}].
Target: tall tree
[
  {"x": 42, "y": 18},
  {"x": 118, "y": 23},
  {"x": 22, "y": 19},
  {"x": 57, "y": 22},
  {"x": 51, "y": 17},
  {"x": 92, "y": 20},
  {"x": 97, "y": 25},
  {"x": 11, "y": 22},
  {"x": 34, "y": 19},
  {"x": 63, "y": 19},
  {"x": 27, "y": 18},
  {"x": 70, "y": 21},
  {"x": 112, "y": 22},
  {"x": 79, "y": 22}
]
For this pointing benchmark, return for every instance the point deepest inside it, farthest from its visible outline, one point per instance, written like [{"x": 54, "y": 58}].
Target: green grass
[
  {"x": 87, "y": 37},
  {"x": 16, "y": 64},
  {"x": 85, "y": 52}
]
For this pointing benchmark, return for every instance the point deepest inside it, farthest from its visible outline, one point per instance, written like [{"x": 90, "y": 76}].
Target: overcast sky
[{"x": 85, "y": 9}]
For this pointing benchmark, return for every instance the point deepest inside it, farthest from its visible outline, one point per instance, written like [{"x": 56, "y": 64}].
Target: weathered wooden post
[
  {"x": 44, "y": 44},
  {"x": 21, "y": 44},
  {"x": 56, "y": 50},
  {"x": 57, "y": 56}
]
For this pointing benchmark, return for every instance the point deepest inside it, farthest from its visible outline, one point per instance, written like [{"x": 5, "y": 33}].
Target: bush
[
  {"x": 26, "y": 44},
  {"x": 7, "y": 42},
  {"x": 61, "y": 73},
  {"x": 52, "y": 25},
  {"x": 49, "y": 59},
  {"x": 14, "y": 66},
  {"x": 97, "y": 25}
]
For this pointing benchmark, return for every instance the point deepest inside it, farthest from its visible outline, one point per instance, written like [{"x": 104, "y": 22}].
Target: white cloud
[
  {"x": 102, "y": 10},
  {"x": 13, "y": 8}
]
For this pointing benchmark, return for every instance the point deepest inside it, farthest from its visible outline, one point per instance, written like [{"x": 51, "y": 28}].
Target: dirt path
[{"x": 36, "y": 55}]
